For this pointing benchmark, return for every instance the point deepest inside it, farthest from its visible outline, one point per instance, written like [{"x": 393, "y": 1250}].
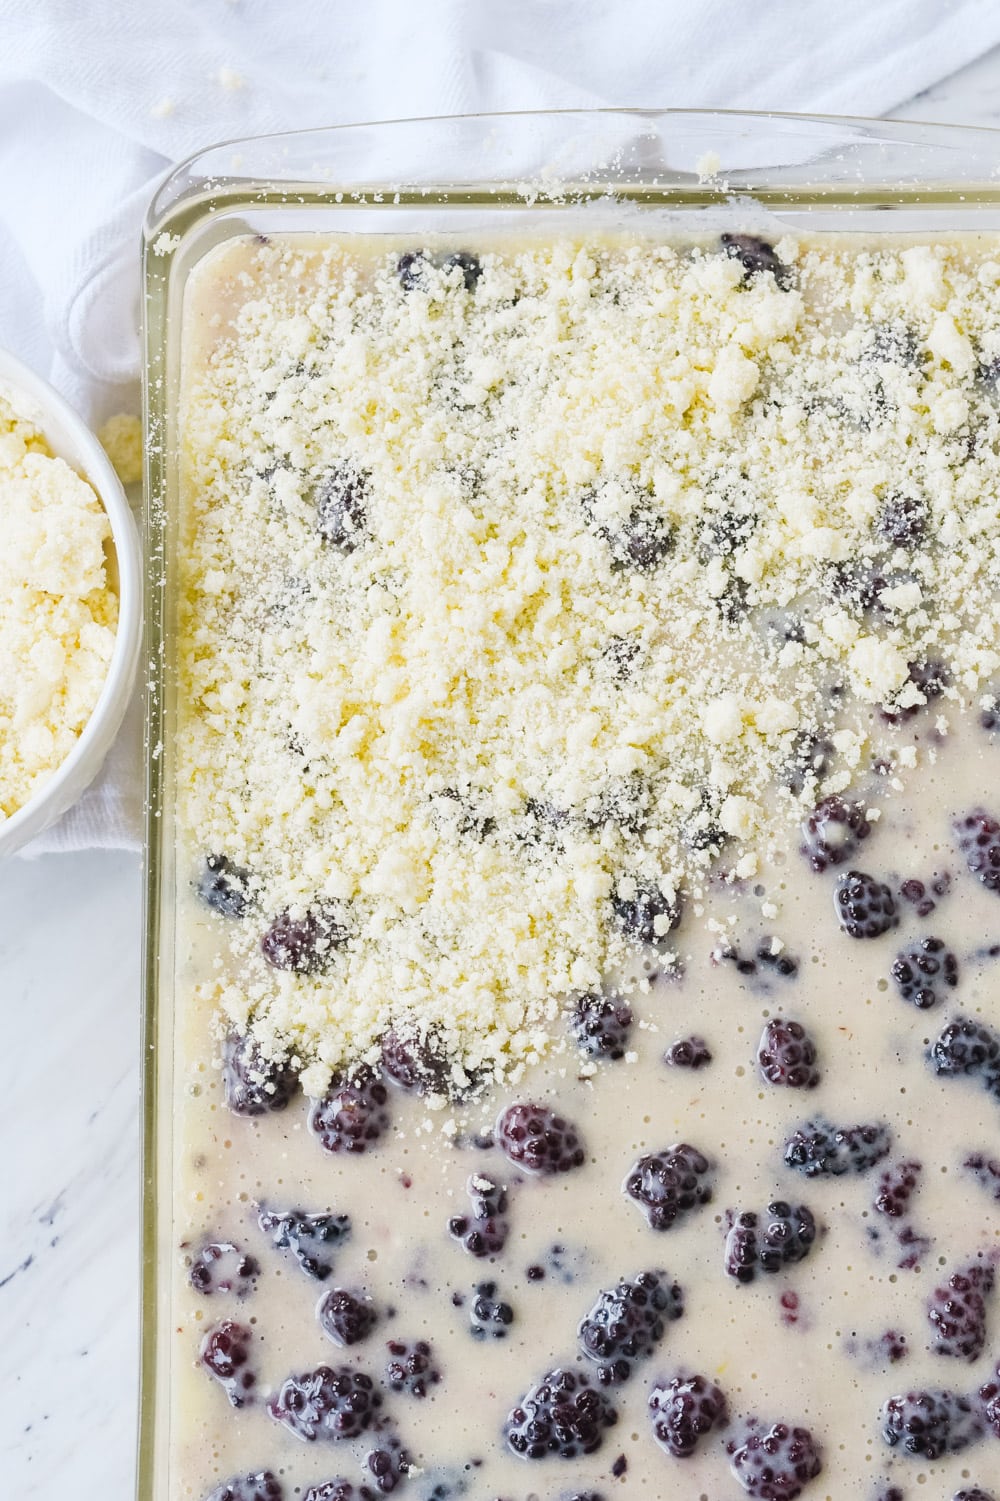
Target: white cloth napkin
[{"x": 98, "y": 98}]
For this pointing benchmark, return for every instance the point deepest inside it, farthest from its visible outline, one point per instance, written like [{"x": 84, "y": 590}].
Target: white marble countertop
[{"x": 69, "y": 1124}]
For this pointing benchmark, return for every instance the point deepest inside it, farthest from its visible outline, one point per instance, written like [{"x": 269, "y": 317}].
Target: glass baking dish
[{"x": 675, "y": 172}]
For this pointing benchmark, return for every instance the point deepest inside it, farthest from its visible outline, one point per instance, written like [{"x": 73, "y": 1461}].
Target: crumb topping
[
  {"x": 519, "y": 588},
  {"x": 121, "y": 439},
  {"x": 58, "y": 612}
]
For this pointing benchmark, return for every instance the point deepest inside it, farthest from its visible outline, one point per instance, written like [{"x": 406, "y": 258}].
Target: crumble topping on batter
[
  {"x": 522, "y": 588},
  {"x": 58, "y": 612}
]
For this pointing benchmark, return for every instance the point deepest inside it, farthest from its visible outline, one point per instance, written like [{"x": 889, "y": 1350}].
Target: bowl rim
[{"x": 84, "y": 453}]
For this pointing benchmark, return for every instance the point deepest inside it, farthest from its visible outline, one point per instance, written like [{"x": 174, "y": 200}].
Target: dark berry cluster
[
  {"x": 411, "y": 1367},
  {"x": 783, "y": 1236},
  {"x": 647, "y": 916},
  {"x": 627, "y": 1323},
  {"x": 925, "y": 973},
  {"x": 389, "y": 1464},
  {"x": 253, "y": 1084},
  {"x": 561, "y": 1414},
  {"x": 225, "y": 887},
  {"x": 414, "y": 1063},
  {"x": 340, "y": 496},
  {"x": 757, "y": 257},
  {"x": 818, "y": 1148},
  {"x": 970, "y": 1048},
  {"x": 688, "y": 1052},
  {"x": 601, "y": 1025},
  {"x": 313, "y": 1239},
  {"x": 682, "y": 1410},
  {"x": 865, "y": 908},
  {"x": 305, "y": 942},
  {"x": 774, "y": 1463},
  {"x": 221, "y": 1267},
  {"x": 489, "y": 1316},
  {"x": 535, "y": 1138},
  {"x": 352, "y": 1115},
  {"x": 978, "y": 838},
  {"x": 896, "y": 1187},
  {"x": 483, "y": 1231},
  {"x": 225, "y": 1352},
  {"x": 327, "y": 1403},
  {"x": 985, "y": 1171},
  {"x": 957, "y": 1312},
  {"x": 832, "y": 832},
  {"x": 667, "y": 1185},
  {"x": 345, "y": 1318},
  {"x": 928, "y": 1424},
  {"x": 786, "y": 1055},
  {"x": 261, "y": 1486}
]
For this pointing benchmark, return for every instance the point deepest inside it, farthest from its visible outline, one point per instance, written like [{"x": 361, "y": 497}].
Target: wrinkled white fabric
[{"x": 98, "y": 98}]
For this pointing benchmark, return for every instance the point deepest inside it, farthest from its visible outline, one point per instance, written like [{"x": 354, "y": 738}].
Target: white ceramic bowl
[{"x": 69, "y": 437}]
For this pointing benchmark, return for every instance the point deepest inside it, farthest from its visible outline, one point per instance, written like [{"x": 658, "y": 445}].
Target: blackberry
[
  {"x": 647, "y": 916},
  {"x": 469, "y": 265},
  {"x": 978, "y": 838},
  {"x": 225, "y": 1352},
  {"x": 414, "y": 1063},
  {"x": 989, "y": 1398},
  {"x": 682, "y": 1410},
  {"x": 903, "y": 520},
  {"x": 741, "y": 1247},
  {"x": 756, "y": 256},
  {"x": 489, "y": 1316},
  {"x": 786, "y": 1055},
  {"x": 924, "y": 973},
  {"x": 221, "y": 1267},
  {"x": 922, "y": 898},
  {"x": 225, "y": 886},
  {"x": 601, "y": 1025},
  {"x": 261, "y": 1486},
  {"x": 627, "y": 1323},
  {"x": 688, "y": 1052},
  {"x": 817, "y": 1147},
  {"x": 786, "y": 1236},
  {"x": 833, "y": 831},
  {"x": 389, "y": 1464},
  {"x": 484, "y": 1231},
  {"x": 930, "y": 1423},
  {"x": 895, "y": 1189},
  {"x": 641, "y": 541},
  {"x": 865, "y": 907},
  {"x": 976, "y": 1494},
  {"x": 344, "y": 1318},
  {"x": 957, "y": 1312},
  {"x": 667, "y": 1185},
  {"x": 410, "y": 1367},
  {"x": 968, "y": 1047},
  {"x": 251, "y": 1083},
  {"x": 333, "y": 1490},
  {"x": 783, "y": 964},
  {"x": 307, "y": 943},
  {"x": 561, "y": 1414},
  {"x": 341, "y": 500},
  {"x": 931, "y": 679},
  {"x": 774, "y": 1464},
  {"x": 985, "y": 1171},
  {"x": 410, "y": 268},
  {"x": 313, "y": 1239},
  {"x": 539, "y": 1141},
  {"x": 352, "y": 1115},
  {"x": 327, "y": 1403}
]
